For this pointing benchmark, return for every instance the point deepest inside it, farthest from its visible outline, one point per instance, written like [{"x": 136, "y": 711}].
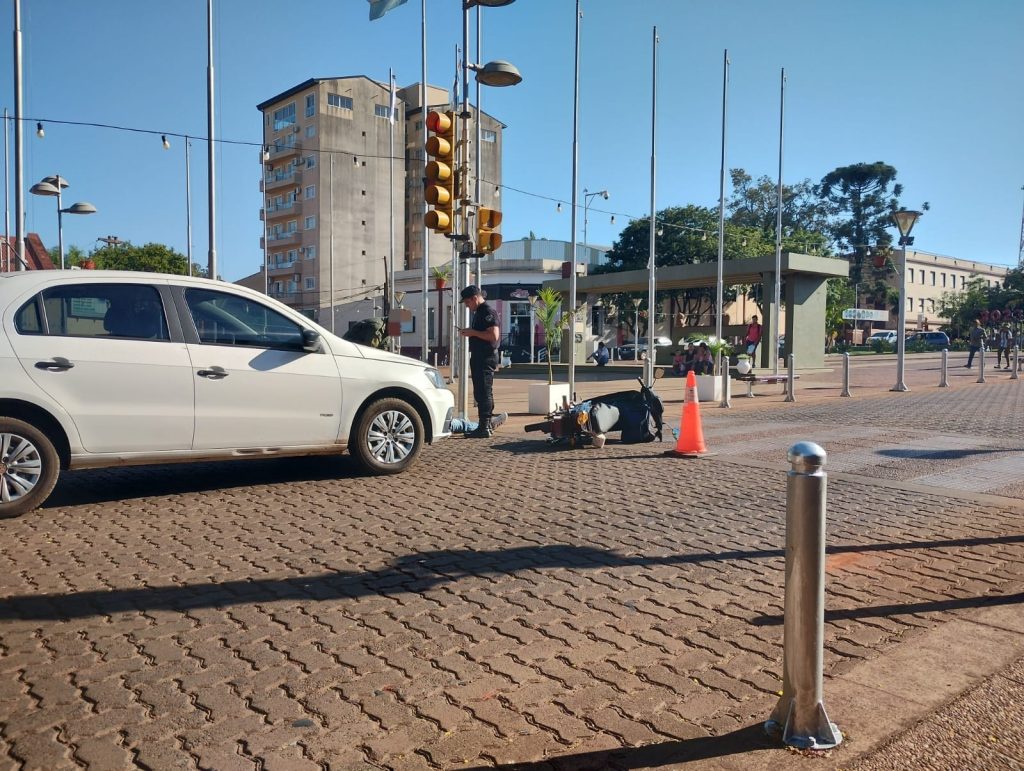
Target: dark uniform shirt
[{"x": 483, "y": 319}]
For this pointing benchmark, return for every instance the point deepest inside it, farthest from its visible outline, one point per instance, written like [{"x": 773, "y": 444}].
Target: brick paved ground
[{"x": 500, "y": 604}]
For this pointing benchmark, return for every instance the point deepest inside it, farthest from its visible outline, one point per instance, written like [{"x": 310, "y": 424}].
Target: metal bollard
[
  {"x": 789, "y": 383},
  {"x": 800, "y": 713},
  {"x": 943, "y": 381},
  {"x": 846, "y": 375},
  {"x": 1016, "y": 362},
  {"x": 723, "y": 363},
  {"x": 981, "y": 365}
]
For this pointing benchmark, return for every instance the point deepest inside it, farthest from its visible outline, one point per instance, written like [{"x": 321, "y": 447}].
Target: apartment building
[
  {"x": 337, "y": 172},
  {"x": 929, "y": 276}
]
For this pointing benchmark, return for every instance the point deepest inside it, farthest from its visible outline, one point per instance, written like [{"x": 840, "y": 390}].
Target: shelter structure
[{"x": 803, "y": 293}]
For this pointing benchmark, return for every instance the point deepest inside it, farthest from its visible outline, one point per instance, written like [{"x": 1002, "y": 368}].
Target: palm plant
[{"x": 554, "y": 321}]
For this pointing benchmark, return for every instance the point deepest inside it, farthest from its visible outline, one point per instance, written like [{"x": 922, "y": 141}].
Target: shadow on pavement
[
  {"x": 941, "y": 454},
  {"x": 414, "y": 573},
  {"x": 652, "y": 756},
  {"x": 934, "y": 606},
  {"x": 125, "y": 483}
]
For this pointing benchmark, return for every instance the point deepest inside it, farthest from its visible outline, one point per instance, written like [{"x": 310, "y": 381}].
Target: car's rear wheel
[
  {"x": 387, "y": 437},
  {"x": 29, "y": 467}
]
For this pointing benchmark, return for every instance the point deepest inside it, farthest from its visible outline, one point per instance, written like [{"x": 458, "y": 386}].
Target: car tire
[
  {"x": 29, "y": 467},
  {"x": 387, "y": 437}
]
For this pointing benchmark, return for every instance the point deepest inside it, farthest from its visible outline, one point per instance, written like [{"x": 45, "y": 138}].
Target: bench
[{"x": 751, "y": 379}]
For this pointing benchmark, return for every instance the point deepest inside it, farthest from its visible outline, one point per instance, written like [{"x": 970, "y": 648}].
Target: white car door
[
  {"x": 255, "y": 385},
  {"x": 105, "y": 353}
]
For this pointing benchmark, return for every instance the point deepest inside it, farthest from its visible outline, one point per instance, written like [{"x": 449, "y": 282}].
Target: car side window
[
  {"x": 27, "y": 320},
  {"x": 132, "y": 311},
  {"x": 221, "y": 318}
]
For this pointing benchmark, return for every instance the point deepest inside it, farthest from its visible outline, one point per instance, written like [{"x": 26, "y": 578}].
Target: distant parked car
[
  {"x": 936, "y": 340},
  {"x": 883, "y": 336},
  {"x": 626, "y": 350}
]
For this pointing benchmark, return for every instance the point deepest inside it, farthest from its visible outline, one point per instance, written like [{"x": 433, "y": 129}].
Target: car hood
[{"x": 376, "y": 354}]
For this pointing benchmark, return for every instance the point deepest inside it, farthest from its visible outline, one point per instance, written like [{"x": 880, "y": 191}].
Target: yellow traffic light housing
[
  {"x": 439, "y": 185},
  {"x": 488, "y": 239}
]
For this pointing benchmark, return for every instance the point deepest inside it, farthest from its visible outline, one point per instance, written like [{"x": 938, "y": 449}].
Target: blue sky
[{"x": 932, "y": 87}]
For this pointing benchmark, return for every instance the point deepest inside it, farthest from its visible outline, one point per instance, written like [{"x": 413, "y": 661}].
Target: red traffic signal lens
[{"x": 438, "y": 122}]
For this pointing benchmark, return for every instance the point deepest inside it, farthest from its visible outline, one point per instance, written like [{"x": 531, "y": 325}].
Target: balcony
[
  {"x": 278, "y": 179},
  {"x": 283, "y": 267},
  {"x": 278, "y": 210},
  {"x": 279, "y": 152},
  {"x": 275, "y": 240}
]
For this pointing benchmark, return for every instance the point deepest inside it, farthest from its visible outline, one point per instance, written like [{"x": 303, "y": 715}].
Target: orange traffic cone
[{"x": 691, "y": 435}]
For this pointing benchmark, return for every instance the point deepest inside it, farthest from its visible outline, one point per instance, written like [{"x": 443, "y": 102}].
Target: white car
[
  {"x": 883, "y": 336},
  {"x": 110, "y": 368}
]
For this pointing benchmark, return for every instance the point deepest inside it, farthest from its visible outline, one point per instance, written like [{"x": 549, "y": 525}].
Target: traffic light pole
[{"x": 464, "y": 228}]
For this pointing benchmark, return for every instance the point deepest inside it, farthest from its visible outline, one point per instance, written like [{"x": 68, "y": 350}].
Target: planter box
[
  {"x": 709, "y": 388},
  {"x": 544, "y": 397}
]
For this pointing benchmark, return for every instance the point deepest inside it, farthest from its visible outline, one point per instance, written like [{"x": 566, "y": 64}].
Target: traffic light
[
  {"x": 487, "y": 236},
  {"x": 439, "y": 187}
]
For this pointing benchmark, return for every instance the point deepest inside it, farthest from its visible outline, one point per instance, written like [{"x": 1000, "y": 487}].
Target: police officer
[{"x": 484, "y": 336}]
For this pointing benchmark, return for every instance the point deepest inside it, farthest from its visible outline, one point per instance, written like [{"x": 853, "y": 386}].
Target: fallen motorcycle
[{"x": 636, "y": 414}]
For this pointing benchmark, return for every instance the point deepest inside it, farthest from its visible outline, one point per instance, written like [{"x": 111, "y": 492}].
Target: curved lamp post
[
  {"x": 498, "y": 73},
  {"x": 52, "y": 186},
  {"x": 586, "y": 205},
  {"x": 904, "y": 220}
]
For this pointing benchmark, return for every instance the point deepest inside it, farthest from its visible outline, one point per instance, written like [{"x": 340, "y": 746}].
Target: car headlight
[{"x": 435, "y": 377}]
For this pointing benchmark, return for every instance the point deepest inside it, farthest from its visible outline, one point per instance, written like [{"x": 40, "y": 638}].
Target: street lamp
[
  {"x": 497, "y": 73},
  {"x": 52, "y": 186},
  {"x": 904, "y": 220},
  {"x": 636, "y": 328},
  {"x": 586, "y": 205}
]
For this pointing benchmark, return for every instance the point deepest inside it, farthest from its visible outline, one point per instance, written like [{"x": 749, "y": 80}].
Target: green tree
[
  {"x": 553, "y": 320},
  {"x": 754, "y": 203},
  {"x": 149, "y": 258}
]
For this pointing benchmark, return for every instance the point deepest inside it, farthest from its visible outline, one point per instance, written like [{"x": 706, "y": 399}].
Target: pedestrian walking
[
  {"x": 1005, "y": 342},
  {"x": 975, "y": 341},
  {"x": 484, "y": 335},
  {"x": 753, "y": 336}
]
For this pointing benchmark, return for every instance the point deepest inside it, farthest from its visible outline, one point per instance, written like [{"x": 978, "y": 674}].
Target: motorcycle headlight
[{"x": 435, "y": 377}]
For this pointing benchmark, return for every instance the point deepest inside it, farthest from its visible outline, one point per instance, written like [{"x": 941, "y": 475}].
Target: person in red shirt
[{"x": 753, "y": 336}]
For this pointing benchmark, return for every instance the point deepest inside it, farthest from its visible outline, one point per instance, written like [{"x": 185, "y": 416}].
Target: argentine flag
[{"x": 379, "y": 7}]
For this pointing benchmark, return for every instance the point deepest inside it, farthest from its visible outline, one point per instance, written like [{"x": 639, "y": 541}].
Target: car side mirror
[{"x": 311, "y": 341}]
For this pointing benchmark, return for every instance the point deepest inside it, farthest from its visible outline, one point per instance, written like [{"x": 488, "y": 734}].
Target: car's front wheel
[
  {"x": 29, "y": 467},
  {"x": 387, "y": 437}
]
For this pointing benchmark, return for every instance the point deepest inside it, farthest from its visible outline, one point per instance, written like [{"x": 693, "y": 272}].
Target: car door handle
[
  {"x": 56, "y": 364},
  {"x": 213, "y": 373}
]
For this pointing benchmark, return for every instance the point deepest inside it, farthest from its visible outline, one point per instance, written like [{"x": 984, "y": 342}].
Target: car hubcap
[
  {"x": 392, "y": 437},
  {"x": 20, "y": 467}
]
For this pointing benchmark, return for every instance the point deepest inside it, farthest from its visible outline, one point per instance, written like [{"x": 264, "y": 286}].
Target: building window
[
  {"x": 943, "y": 279},
  {"x": 363, "y": 192},
  {"x": 933, "y": 278},
  {"x": 419, "y": 125},
  {"x": 310, "y": 191},
  {"x": 310, "y": 223},
  {"x": 310, "y": 161},
  {"x": 382, "y": 111},
  {"x": 311, "y": 130},
  {"x": 291, "y": 256},
  {"x": 488, "y": 136},
  {"x": 310, "y": 252},
  {"x": 337, "y": 100},
  {"x": 284, "y": 117},
  {"x": 310, "y": 282},
  {"x": 310, "y": 105},
  {"x": 293, "y": 225},
  {"x": 910, "y": 276}
]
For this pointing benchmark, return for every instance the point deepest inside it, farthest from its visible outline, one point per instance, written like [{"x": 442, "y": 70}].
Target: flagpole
[
  {"x": 777, "y": 298},
  {"x": 721, "y": 202},
  {"x": 575, "y": 172},
  {"x": 391, "y": 204},
  {"x": 425, "y": 332},
  {"x": 651, "y": 315}
]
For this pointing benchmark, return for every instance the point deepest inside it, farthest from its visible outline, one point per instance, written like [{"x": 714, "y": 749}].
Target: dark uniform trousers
[{"x": 482, "y": 366}]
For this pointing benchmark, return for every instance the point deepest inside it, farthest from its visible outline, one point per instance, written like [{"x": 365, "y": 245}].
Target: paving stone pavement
[{"x": 502, "y": 604}]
